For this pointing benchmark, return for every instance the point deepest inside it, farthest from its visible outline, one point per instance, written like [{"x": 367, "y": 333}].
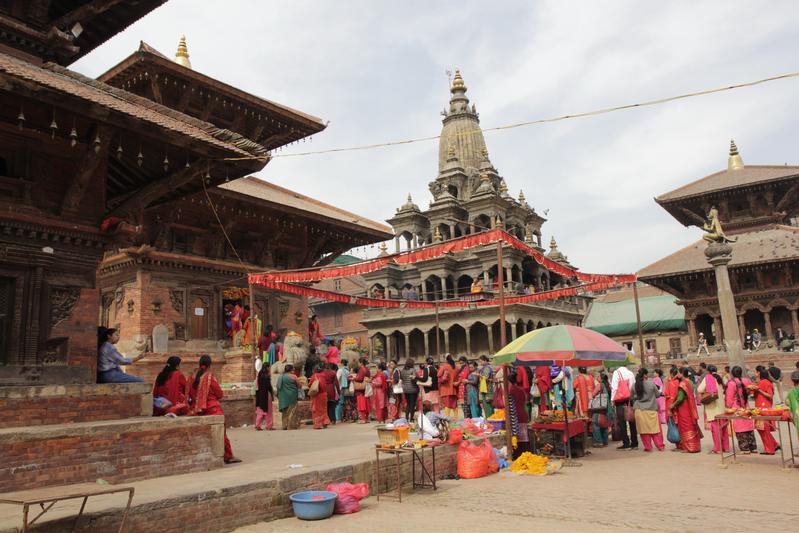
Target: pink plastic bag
[
  {"x": 349, "y": 496},
  {"x": 476, "y": 460},
  {"x": 474, "y": 429},
  {"x": 455, "y": 436}
]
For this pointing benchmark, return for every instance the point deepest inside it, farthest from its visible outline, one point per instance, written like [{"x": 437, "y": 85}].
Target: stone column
[
  {"x": 692, "y": 331},
  {"x": 794, "y": 321},
  {"x": 389, "y": 347},
  {"x": 468, "y": 341},
  {"x": 407, "y": 345},
  {"x": 490, "y": 332},
  {"x": 741, "y": 326},
  {"x": 719, "y": 255},
  {"x": 719, "y": 331},
  {"x": 397, "y": 244},
  {"x": 452, "y": 231},
  {"x": 767, "y": 318},
  {"x": 415, "y": 241},
  {"x": 514, "y": 330},
  {"x": 446, "y": 341},
  {"x": 426, "y": 344}
]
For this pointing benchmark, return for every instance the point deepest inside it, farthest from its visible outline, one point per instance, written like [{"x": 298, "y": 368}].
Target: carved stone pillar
[
  {"x": 407, "y": 345},
  {"x": 741, "y": 326},
  {"x": 767, "y": 318},
  {"x": 468, "y": 341},
  {"x": 718, "y": 331},
  {"x": 794, "y": 321},
  {"x": 397, "y": 244},
  {"x": 490, "y": 332},
  {"x": 426, "y": 344},
  {"x": 719, "y": 255},
  {"x": 692, "y": 331},
  {"x": 390, "y": 347},
  {"x": 446, "y": 340}
]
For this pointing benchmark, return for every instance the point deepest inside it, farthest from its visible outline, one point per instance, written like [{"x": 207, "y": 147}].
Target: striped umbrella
[{"x": 570, "y": 345}]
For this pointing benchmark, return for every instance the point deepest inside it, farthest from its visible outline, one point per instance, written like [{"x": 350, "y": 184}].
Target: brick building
[{"x": 338, "y": 320}]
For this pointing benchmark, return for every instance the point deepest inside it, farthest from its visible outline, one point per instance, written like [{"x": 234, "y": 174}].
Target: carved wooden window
[
  {"x": 6, "y": 314},
  {"x": 675, "y": 345},
  {"x": 181, "y": 241}
]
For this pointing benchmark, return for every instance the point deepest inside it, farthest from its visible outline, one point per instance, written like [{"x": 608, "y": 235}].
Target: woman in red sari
[
  {"x": 319, "y": 399},
  {"x": 380, "y": 393},
  {"x": 204, "y": 397},
  {"x": 170, "y": 385},
  {"x": 764, "y": 395},
  {"x": 543, "y": 379},
  {"x": 448, "y": 395},
  {"x": 683, "y": 408},
  {"x": 361, "y": 378}
]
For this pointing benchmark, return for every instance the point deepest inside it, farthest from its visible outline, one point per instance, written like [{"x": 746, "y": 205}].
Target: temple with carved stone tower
[
  {"x": 469, "y": 196},
  {"x": 758, "y": 207}
]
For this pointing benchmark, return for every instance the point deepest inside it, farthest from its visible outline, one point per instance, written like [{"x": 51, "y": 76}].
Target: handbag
[
  {"x": 629, "y": 413},
  {"x": 622, "y": 391},
  {"x": 673, "y": 434},
  {"x": 535, "y": 392},
  {"x": 368, "y": 391},
  {"x": 708, "y": 397},
  {"x": 313, "y": 390},
  {"x": 599, "y": 403},
  {"x": 602, "y": 421},
  {"x": 360, "y": 385}
]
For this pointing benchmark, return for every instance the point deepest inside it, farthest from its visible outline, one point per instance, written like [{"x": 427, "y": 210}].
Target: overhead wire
[{"x": 546, "y": 120}]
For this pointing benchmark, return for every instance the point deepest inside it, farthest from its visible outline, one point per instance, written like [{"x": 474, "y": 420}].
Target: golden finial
[
  {"x": 484, "y": 177},
  {"x": 522, "y": 199},
  {"x": 553, "y": 245},
  {"x": 457, "y": 82},
  {"x": 437, "y": 235},
  {"x": 735, "y": 161},
  {"x": 498, "y": 222},
  {"x": 182, "y": 55},
  {"x": 503, "y": 187}
]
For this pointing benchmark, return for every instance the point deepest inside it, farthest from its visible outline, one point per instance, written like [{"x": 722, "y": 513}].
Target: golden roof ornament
[
  {"x": 437, "y": 237},
  {"x": 182, "y": 55},
  {"x": 457, "y": 82},
  {"x": 498, "y": 222},
  {"x": 503, "y": 188},
  {"x": 714, "y": 233},
  {"x": 735, "y": 161},
  {"x": 522, "y": 199}
]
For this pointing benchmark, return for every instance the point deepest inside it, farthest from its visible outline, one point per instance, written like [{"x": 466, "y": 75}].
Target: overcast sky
[{"x": 377, "y": 72}]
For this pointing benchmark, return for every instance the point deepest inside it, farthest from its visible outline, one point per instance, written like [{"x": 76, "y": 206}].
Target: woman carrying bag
[{"x": 602, "y": 411}]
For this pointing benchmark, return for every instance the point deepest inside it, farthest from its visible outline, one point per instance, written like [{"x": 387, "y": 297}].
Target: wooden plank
[{"x": 63, "y": 492}]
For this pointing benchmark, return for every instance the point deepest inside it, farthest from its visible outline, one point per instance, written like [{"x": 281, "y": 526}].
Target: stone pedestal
[{"x": 719, "y": 255}]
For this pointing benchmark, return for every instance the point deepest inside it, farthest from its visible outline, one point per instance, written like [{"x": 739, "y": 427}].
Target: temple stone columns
[
  {"x": 692, "y": 331},
  {"x": 446, "y": 341},
  {"x": 719, "y": 331},
  {"x": 741, "y": 326},
  {"x": 407, "y": 345},
  {"x": 490, "y": 331},
  {"x": 427, "y": 344},
  {"x": 389, "y": 346},
  {"x": 767, "y": 319},
  {"x": 468, "y": 340}
]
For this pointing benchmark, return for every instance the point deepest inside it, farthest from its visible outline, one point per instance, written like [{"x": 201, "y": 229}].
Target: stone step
[
  {"x": 116, "y": 450},
  {"x": 58, "y": 404}
]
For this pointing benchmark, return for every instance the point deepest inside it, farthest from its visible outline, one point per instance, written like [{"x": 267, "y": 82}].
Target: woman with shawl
[
  {"x": 711, "y": 385},
  {"x": 170, "y": 389},
  {"x": 264, "y": 399},
  {"x": 204, "y": 397},
  {"x": 684, "y": 411},
  {"x": 317, "y": 390},
  {"x": 737, "y": 397}
]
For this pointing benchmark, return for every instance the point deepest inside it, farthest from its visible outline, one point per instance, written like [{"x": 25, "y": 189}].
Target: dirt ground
[{"x": 610, "y": 491}]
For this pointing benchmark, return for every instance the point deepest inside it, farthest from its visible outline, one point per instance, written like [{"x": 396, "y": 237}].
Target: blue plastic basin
[{"x": 313, "y": 504}]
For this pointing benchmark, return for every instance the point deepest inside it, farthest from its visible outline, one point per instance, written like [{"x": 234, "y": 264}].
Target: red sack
[
  {"x": 622, "y": 391},
  {"x": 474, "y": 459},
  {"x": 473, "y": 428},
  {"x": 455, "y": 436},
  {"x": 348, "y": 496}
]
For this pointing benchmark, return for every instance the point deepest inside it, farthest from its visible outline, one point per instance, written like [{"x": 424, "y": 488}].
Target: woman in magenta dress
[
  {"x": 736, "y": 396},
  {"x": 658, "y": 381}
]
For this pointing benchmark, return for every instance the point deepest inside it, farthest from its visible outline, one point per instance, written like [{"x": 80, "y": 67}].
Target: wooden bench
[{"x": 47, "y": 497}]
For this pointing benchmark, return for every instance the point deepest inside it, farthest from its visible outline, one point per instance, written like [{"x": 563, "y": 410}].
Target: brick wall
[
  {"x": 142, "y": 319},
  {"x": 58, "y": 404},
  {"x": 81, "y": 328},
  {"x": 229, "y": 508},
  {"x": 348, "y": 324},
  {"x": 239, "y": 407},
  {"x": 117, "y": 451}
]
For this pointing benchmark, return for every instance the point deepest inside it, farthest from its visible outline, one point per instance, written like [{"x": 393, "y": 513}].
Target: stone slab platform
[
  {"x": 117, "y": 451},
  {"x": 236, "y": 495},
  {"x": 58, "y": 404}
]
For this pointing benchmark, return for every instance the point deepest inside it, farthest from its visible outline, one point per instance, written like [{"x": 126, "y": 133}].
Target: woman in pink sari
[
  {"x": 736, "y": 397},
  {"x": 712, "y": 385},
  {"x": 658, "y": 381},
  {"x": 685, "y": 413},
  {"x": 764, "y": 394}
]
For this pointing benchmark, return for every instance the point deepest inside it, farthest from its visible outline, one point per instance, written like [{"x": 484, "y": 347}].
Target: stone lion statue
[{"x": 294, "y": 352}]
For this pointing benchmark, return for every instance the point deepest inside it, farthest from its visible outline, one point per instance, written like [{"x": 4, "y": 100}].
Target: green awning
[{"x": 658, "y": 313}]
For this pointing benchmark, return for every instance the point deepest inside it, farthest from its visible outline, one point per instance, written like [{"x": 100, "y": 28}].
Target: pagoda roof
[
  {"x": 771, "y": 244},
  {"x": 300, "y": 124},
  {"x": 728, "y": 179},
  {"x": 309, "y": 207}
]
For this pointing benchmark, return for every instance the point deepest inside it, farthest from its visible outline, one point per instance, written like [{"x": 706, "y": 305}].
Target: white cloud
[{"x": 376, "y": 71}]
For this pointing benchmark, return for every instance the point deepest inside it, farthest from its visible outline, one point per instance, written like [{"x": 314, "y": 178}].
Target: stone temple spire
[
  {"x": 735, "y": 161},
  {"x": 182, "y": 55},
  {"x": 461, "y": 129}
]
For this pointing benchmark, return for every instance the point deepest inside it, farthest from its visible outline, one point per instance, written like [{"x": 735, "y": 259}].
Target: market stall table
[
  {"x": 47, "y": 497},
  {"x": 777, "y": 419},
  {"x": 575, "y": 427},
  {"x": 417, "y": 454}
]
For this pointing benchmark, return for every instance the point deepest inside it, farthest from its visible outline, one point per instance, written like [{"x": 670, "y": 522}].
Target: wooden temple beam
[
  {"x": 787, "y": 199},
  {"x": 156, "y": 189},
  {"x": 85, "y": 12},
  {"x": 96, "y": 155},
  {"x": 156, "y": 89}
]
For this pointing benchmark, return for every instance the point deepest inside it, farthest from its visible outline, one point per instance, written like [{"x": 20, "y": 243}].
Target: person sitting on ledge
[
  {"x": 109, "y": 359},
  {"x": 170, "y": 390}
]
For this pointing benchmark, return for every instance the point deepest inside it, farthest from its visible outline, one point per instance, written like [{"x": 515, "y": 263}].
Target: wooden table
[
  {"x": 777, "y": 419},
  {"x": 416, "y": 455},
  {"x": 576, "y": 427},
  {"x": 47, "y": 497}
]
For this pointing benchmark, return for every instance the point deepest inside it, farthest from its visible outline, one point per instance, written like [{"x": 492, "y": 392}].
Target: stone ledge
[{"x": 98, "y": 389}]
